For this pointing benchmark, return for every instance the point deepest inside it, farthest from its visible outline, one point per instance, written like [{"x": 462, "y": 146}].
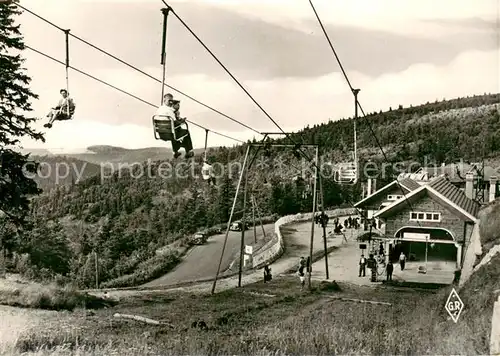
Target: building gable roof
[
  {"x": 409, "y": 184},
  {"x": 455, "y": 195},
  {"x": 406, "y": 183},
  {"x": 443, "y": 190}
]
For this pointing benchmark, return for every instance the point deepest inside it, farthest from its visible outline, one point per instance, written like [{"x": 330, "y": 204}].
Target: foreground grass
[
  {"x": 277, "y": 319},
  {"x": 51, "y": 297}
]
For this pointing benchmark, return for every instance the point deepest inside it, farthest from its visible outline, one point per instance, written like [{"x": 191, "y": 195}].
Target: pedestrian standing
[
  {"x": 267, "y": 274},
  {"x": 402, "y": 260},
  {"x": 381, "y": 249},
  {"x": 362, "y": 266},
  {"x": 372, "y": 264},
  {"x": 389, "y": 270}
]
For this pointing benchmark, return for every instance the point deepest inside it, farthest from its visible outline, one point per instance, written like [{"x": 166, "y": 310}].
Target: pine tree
[{"x": 15, "y": 185}]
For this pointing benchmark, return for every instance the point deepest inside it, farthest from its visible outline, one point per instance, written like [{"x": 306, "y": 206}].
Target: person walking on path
[{"x": 402, "y": 260}]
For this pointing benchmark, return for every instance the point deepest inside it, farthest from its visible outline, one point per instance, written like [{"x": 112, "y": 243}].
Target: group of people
[
  {"x": 351, "y": 223},
  {"x": 372, "y": 263}
]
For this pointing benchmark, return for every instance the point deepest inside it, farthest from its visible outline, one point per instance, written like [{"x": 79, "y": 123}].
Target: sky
[{"x": 396, "y": 52}]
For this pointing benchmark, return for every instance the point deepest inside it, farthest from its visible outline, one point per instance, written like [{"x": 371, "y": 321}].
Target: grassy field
[
  {"x": 275, "y": 319},
  {"x": 50, "y": 297}
]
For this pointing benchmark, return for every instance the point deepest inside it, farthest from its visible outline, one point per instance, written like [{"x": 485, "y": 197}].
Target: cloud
[
  {"x": 255, "y": 41},
  {"x": 293, "y": 103},
  {"x": 397, "y": 52}
]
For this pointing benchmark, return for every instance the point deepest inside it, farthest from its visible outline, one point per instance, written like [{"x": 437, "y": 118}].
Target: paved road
[
  {"x": 201, "y": 261},
  {"x": 296, "y": 237}
]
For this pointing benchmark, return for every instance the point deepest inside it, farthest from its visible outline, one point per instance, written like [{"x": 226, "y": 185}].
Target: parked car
[
  {"x": 238, "y": 226},
  {"x": 199, "y": 238}
]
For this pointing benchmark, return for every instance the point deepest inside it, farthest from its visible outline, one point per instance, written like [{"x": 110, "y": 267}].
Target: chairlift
[
  {"x": 167, "y": 126},
  {"x": 66, "y": 107},
  {"x": 346, "y": 173},
  {"x": 207, "y": 171}
]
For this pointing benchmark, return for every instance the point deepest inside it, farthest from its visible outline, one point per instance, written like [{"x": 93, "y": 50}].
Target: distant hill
[
  {"x": 63, "y": 171},
  {"x": 444, "y": 131},
  {"x": 34, "y": 151},
  {"x": 96, "y": 160},
  {"x": 112, "y": 155}
]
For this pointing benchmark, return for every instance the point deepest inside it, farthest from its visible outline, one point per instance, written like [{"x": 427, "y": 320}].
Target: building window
[
  {"x": 425, "y": 216},
  {"x": 394, "y": 197}
]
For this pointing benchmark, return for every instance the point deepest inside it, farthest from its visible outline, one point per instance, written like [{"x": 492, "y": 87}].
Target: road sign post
[{"x": 454, "y": 305}]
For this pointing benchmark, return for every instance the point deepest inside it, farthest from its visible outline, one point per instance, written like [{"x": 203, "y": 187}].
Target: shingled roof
[
  {"x": 438, "y": 188},
  {"x": 409, "y": 183},
  {"x": 455, "y": 195}
]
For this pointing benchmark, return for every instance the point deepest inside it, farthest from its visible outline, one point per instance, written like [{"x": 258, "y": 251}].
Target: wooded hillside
[{"x": 126, "y": 219}]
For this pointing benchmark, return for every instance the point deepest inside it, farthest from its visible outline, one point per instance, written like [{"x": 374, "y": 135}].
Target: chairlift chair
[
  {"x": 347, "y": 173},
  {"x": 166, "y": 130},
  {"x": 164, "y": 125}
]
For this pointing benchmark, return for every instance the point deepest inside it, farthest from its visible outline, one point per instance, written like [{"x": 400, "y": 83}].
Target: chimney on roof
[
  {"x": 493, "y": 187},
  {"x": 469, "y": 185}
]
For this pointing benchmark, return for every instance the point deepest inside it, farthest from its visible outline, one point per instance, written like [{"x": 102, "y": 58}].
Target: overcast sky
[{"x": 397, "y": 52}]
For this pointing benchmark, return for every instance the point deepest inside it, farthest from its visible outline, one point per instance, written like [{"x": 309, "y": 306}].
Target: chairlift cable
[
  {"x": 357, "y": 101},
  {"x": 140, "y": 71},
  {"x": 180, "y": 92},
  {"x": 358, "y": 104},
  {"x": 223, "y": 66},
  {"x": 122, "y": 91},
  {"x": 239, "y": 84}
]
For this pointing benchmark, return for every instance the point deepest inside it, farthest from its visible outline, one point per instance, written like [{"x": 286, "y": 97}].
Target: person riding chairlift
[
  {"x": 60, "y": 112},
  {"x": 207, "y": 171},
  {"x": 171, "y": 108}
]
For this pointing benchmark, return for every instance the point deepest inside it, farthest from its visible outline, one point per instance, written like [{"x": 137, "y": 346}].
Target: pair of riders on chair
[{"x": 170, "y": 108}]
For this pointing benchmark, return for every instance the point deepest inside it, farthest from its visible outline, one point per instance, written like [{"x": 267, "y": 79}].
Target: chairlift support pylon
[{"x": 247, "y": 163}]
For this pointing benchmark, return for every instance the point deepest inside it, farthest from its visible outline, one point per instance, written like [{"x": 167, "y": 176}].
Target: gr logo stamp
[{"x": 454, "y": 305}]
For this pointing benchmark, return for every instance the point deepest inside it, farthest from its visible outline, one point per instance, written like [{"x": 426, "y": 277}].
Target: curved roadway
[{"x": 201, "y": 261}]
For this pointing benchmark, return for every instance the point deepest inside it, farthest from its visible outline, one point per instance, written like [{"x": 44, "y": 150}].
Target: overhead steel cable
[
  {"x": 222, "y": 65},
  {"x": 304, "y": 154},
  {"x": 123, "y": 91},
  {"x": 357, "y": 101},
  {"x": 139, "y": 70},
  {"x": 238, "y": 83}
]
